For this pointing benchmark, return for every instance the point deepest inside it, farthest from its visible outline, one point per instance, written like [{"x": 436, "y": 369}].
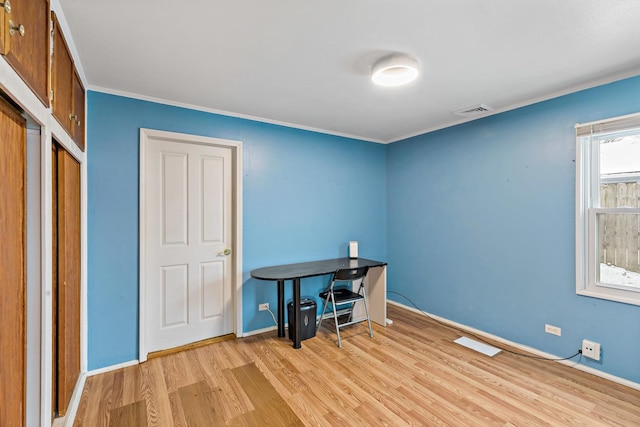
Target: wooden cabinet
[
  {"x": 68, "y": 92},
  {"x": 61, "y": 77},
  {"x": 24, "y": 41},
  {"x": 4, "y": 28},
  {"x": 78, "y": 125}
]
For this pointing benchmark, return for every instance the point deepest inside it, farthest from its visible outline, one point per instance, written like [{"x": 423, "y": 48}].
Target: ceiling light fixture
[{"x": 395, "y": 70}]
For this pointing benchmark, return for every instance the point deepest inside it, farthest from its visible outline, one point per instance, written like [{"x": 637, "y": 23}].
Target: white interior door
[{"x": 188, "y": 242}]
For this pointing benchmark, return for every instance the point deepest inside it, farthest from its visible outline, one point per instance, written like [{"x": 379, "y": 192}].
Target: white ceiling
[{"x": 306, "y": 63}]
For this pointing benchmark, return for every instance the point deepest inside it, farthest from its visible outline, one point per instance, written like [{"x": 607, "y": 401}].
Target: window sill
[{"x": 611, "y": 295}]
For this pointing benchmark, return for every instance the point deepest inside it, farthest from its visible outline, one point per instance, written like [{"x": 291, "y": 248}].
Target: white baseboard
[
  {"x": 523, "y": 347},
  {"x": 260, "y": 331},
  {"x": 74, "y": 402},
  {"x": 112, "y": 367}
]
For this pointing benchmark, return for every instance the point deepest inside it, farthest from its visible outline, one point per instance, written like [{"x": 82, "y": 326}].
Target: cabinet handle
[
  {"x": 74, "y": 118},
  {"x": 6, "y": 6},
  {"x": 13, "y": 28}
]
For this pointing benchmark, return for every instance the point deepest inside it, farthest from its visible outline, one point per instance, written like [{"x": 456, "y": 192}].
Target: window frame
[{"x": 588, "y": 207}]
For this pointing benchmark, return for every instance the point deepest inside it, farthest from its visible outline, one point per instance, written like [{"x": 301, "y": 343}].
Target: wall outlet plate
[
  {"x": 550, "y": 329},
  {"x": 591, "y": 349},
  {"x": 264, "y": 306}
]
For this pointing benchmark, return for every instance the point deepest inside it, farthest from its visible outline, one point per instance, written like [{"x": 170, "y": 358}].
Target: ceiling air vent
[{"x": 476, "y": 110}]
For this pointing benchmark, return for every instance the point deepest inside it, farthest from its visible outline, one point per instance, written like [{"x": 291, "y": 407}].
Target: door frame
[{"x": 146, "y": 135}]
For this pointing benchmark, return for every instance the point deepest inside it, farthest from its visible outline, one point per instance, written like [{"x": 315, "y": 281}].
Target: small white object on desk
[{"x": 353, "y": 249}]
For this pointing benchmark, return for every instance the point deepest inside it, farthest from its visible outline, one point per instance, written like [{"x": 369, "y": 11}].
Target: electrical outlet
[
  {"x": 550, "y": 329},
  {"x": 264, "y": 306},
  {"x": 591, "y": 349}
]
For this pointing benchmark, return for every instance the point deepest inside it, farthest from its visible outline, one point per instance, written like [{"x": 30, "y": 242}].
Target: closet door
[
  {"x": 13, "y": 138},
  {"x": 54, "y": 274},
  {"x": 68, "y": 277}
]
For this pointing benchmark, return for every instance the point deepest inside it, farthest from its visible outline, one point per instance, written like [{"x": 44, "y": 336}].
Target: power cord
[
  {"x": 272, "y": 315},
  {"x": 482, "y": 339}
]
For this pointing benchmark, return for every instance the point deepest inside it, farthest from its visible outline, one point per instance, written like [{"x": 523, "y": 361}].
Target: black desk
[{"x": 295, "y": 272}]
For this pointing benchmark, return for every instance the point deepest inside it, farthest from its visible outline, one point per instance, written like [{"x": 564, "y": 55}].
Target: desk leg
[
  {"x": 296, "y": 313},
  {"x": 376, "y": 281},
  {"x": 281, "y": 308}
]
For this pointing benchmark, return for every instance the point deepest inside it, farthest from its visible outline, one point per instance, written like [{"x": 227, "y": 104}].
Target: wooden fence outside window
[{"x": 619, "y": 234}]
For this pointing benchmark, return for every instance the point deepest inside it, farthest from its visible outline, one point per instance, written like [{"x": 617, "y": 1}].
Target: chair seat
[{"x": 343, "y": 296}]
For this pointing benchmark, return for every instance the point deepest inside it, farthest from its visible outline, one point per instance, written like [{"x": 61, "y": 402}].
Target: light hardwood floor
[{"x": 410, "y": 373}]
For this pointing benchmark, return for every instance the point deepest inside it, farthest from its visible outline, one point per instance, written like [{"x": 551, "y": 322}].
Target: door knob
[
  {"x": 13, "y": 28},
  {"x": 6, "y": 6},
  {"x": 227, "y": 251}
]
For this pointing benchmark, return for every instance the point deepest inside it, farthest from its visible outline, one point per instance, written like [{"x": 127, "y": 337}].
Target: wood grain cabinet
[
  {"x": 24, "y": 42},
  {"x": 5, "y": 10},
  {"x": 68, "y": 92},
  {"x": 77, "y": 109}
]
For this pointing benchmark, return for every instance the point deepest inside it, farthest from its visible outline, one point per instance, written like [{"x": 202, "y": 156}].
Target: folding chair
[{"x": 344, "y": 296}]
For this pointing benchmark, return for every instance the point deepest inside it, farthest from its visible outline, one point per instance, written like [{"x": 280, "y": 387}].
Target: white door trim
[{"x": 236, "y": 148}]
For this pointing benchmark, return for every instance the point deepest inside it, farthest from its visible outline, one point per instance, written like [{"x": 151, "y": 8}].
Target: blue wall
[
  {"x": 478, "y": 220},
  {"x": 486, "y": 211},
  {"x": 305, "y": 196}
]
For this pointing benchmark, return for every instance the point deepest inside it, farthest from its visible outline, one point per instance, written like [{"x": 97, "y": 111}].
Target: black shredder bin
[{"x": 308, "y": 308}]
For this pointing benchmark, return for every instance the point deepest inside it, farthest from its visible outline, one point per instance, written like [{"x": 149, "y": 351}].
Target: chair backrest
[{"x": 350, "y": 274}]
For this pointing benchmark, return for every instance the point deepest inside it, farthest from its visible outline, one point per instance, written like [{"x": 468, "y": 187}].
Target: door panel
[
  {"x": 28, "y": 54},
  {"x": 61, "y": 79},
  {"x": 68, "y": 92},
  {"x": 187, "y": 202},
  {"x": 213, "y": 298},
  {"x": 77, "y": 123},
  {"x": 54, "y": 275},
  {"x": 175, "y": 298},
  {"x": 214, "y": 180},
  {"x": 4, "y": 32},
  {"x": 175, "y": 188},
  {"x": 13, "y": 137},
  {"x": 68, "y": 279}
]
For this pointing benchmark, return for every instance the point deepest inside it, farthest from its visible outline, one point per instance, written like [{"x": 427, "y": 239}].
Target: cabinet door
[
  {"x": 78, "y": 111},
  {"x": 68, "y": 92},
  {"x": 61, "y": 79},
  {"x": 4, "y": 29},
  {"x": 13, "y": 134},
  {"x": 28, "y": 51}
]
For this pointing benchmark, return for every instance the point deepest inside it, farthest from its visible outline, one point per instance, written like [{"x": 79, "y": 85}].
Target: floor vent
[
  {"x": 473, "y": 111},
  {"x": 483, "y": 348}
]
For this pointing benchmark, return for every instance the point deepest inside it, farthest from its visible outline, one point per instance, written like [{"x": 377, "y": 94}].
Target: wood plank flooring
[{"x": 410, "y": 373}]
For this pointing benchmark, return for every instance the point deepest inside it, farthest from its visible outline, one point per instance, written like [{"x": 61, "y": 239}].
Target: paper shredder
[{"x": 308, "y": 308}]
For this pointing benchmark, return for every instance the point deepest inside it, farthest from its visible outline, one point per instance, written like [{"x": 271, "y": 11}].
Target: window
[{"x": 608, "y": 209}]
